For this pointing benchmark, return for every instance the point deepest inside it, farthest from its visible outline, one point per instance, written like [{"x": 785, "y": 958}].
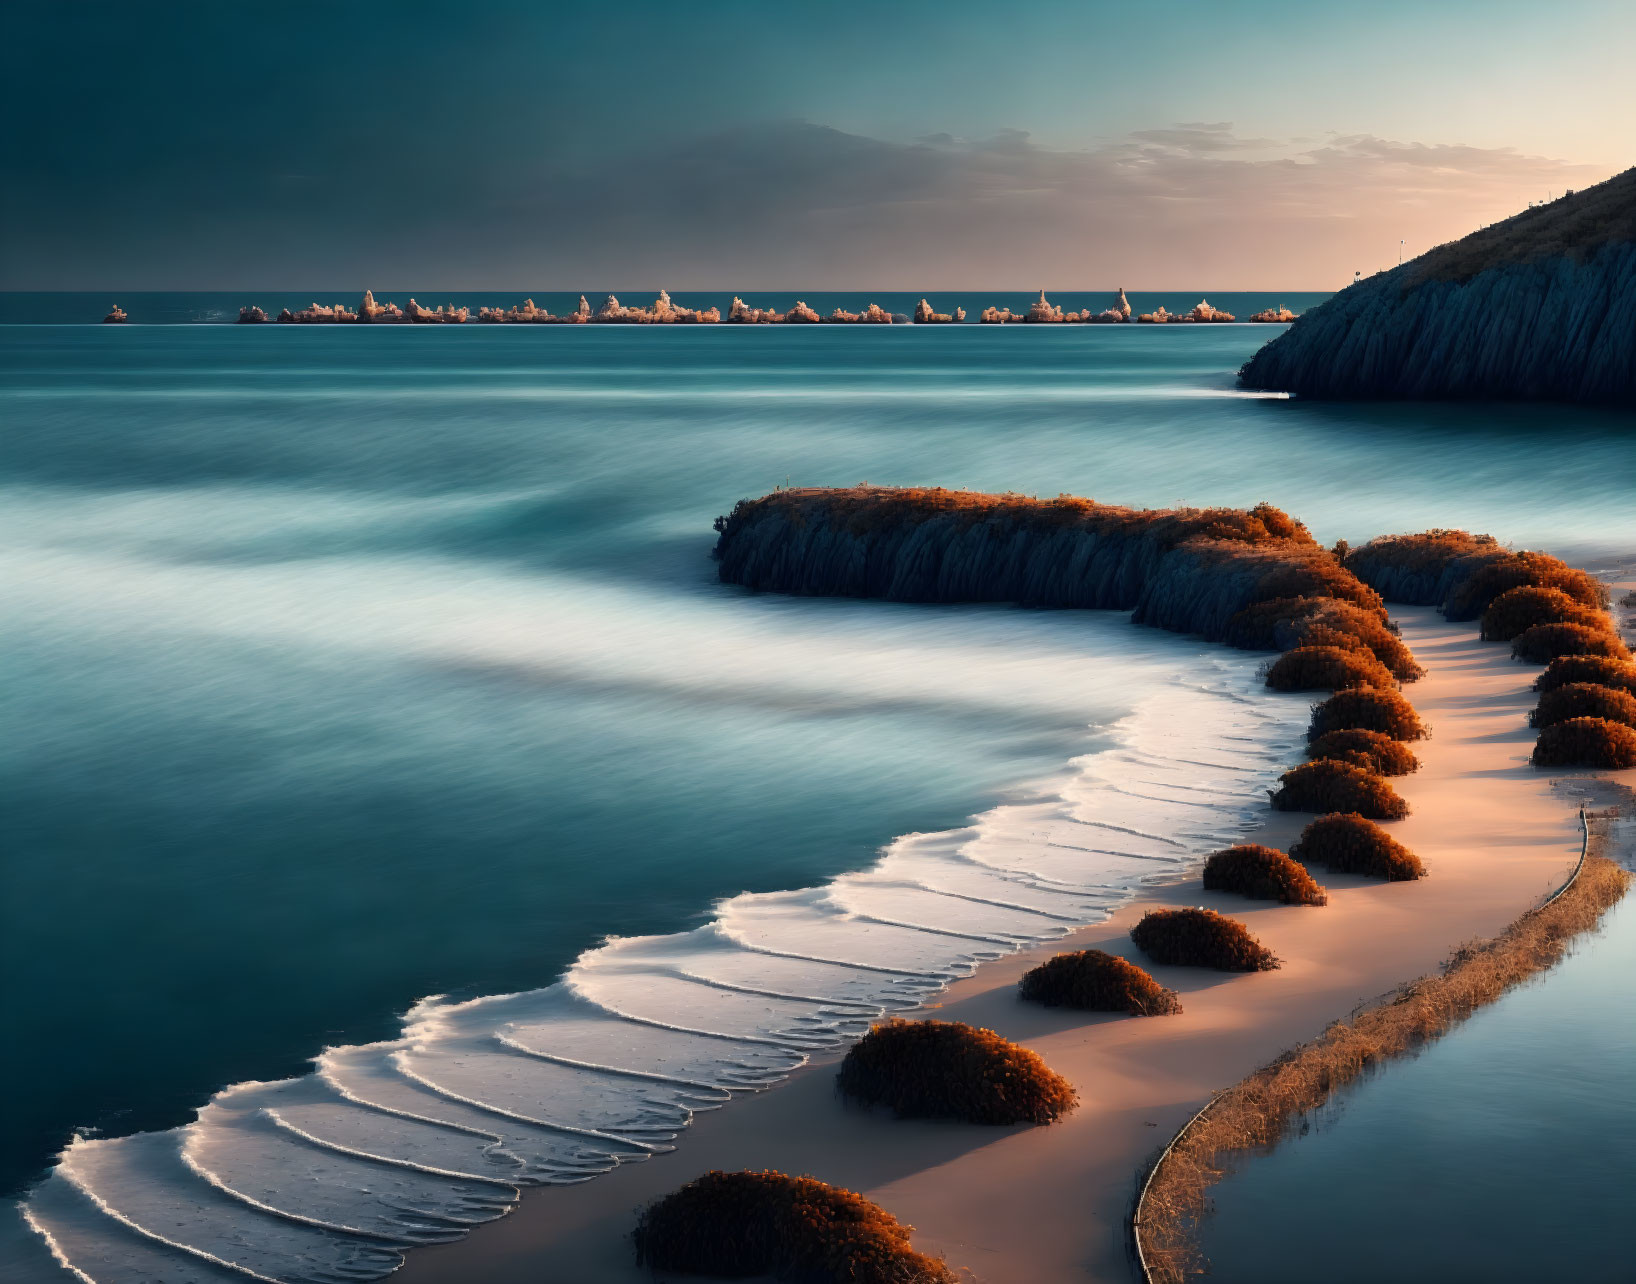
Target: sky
[{"x": 712, "y": 145}]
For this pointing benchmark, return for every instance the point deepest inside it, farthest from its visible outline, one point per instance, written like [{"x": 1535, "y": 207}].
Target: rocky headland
[{"x": 1539, "y": 307}]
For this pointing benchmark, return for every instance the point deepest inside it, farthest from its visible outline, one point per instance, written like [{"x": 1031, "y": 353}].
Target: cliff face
[
  {"x": 1186, "y": 570},
  {"x": 1539, "y": 307}
]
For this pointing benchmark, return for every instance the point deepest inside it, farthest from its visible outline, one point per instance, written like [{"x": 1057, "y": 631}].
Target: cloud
[
  {"x": 796, "y": 204},
  {"x": 1191, "y": 205}
]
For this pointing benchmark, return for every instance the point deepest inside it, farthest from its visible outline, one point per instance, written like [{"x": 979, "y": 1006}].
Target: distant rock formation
[
  {"x": 252, "y": 316},
  {"x": 1116, "y": 315},
  {"x": 116, "y": 316},
  {"x": 802, "y": 314},
  {"x": 1541, "y": 306},
  {"x": 524, "y": 313},
  {"x": 312, "y": 314},
  {"x": 1043, "y": 311},
  {"x": 1273, "y": 315},
  {"x": 1157, "y": 317},
  {"x": 1202, "y": 311},
  {"x": 874, "y": 314},
  {"x": 925, "y": 316}
]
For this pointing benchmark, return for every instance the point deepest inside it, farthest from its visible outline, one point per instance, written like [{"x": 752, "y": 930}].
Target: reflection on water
[{"x": 1502, "y": 1153}]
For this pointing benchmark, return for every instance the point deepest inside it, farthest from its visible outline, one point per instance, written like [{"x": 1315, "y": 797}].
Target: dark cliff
[
  {"x": 1186, "y": 570},
  {"x": 1541, "y": 306}
]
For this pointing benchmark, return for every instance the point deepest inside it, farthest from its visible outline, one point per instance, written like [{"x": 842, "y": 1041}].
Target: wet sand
[{"x": 1024, "y": 1205}]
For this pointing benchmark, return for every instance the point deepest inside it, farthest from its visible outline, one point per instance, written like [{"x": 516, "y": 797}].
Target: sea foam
[{"x": 332, "y": 1176}]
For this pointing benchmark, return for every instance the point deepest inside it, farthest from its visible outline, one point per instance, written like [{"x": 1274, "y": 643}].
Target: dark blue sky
[{"x": 825, "y": 145}]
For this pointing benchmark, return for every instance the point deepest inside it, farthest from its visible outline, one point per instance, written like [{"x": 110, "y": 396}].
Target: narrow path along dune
[{"x": 1030, "y": 1204}]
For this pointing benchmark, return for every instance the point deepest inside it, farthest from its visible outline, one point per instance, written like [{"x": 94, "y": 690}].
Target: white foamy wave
[{"x": 332, "y": 1176}]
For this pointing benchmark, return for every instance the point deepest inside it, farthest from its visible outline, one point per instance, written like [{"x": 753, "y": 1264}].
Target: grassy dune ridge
[{"x": 1188, "y": 570}]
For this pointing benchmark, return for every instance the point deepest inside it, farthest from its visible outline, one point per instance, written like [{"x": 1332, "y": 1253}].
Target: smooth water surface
[
  {"x": 1502, "y": 1153},
  {"x": 352, "y": 666}
]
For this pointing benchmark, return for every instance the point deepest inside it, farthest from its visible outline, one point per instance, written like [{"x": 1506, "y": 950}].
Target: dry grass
[
  {"x": 1573, "y": 226},
  {"x": 863, "y": 509},
  {"x": 1378, "y": 753},
  {"x": 735, "y": 1225},
  {"x": 949, "y": 1070},
  {"x": 1261, "y": 1110},
  {"x": 1327, "y": 668},
  {"x": 1096, "y": 981}
]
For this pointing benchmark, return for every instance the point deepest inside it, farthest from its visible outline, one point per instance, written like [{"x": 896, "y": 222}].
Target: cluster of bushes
[
  {"x": 1326, "y": 784},
  {"x": 1603, "y": 671},
  {"x": 1519, "y": 609},
  {"x": 1262, "y": 873},
  {"x": 1551, "y": 613},
  {"x": 1367, "y": 709},
  {"x": 1283, "y": 623},
  {"x": 1201, "y": 938},
  {"x": 1095, "y": 981},
  {"x": 1586, "y": 742},
  {"x": 1584, "y": 700},
  {"x": 1348, "y": 843},
  {"x": 1546, "y": 642},
  {"x": 742, "y": 1224},
  {"x": 1326, "y": 668},
  {"x": 948, "y": 1070},
  {"x": 1371, "y": 750}
]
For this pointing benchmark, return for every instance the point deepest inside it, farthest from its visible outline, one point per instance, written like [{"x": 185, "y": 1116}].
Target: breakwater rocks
[
  {"x": 664, "y": 311},
  {"x": 1190, "y": 570},
  {"x": 1541, "y": 306}
]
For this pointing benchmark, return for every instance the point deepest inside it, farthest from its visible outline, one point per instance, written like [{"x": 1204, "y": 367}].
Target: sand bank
[{"x": 1031, "y": 1204}]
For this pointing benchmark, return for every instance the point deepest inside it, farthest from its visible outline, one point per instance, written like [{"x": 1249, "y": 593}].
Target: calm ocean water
[{"x": 352, "y": 667}]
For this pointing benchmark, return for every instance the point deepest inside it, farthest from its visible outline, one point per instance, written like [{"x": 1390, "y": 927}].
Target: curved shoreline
[
  {"x": 1053, "y": 1203},
  {"x": 1263, "y": 1107}
]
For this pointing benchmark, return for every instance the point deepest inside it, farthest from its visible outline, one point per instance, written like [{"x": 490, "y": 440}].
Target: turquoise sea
[{"x": 348, "y": 667}]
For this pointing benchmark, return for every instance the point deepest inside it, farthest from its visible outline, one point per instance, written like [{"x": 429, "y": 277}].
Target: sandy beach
[{"x": 1019, "y": 1205}]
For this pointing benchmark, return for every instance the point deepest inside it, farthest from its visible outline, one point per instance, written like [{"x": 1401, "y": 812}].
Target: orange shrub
[
  {"x": 1603, "y": 670},
  {"x": 1262, "y": 873},
  {"x": 1521, "y": 608},
  {"x": 1326, "y": 668},
  {"x": 1095, "y": 981},
  {"x": 1201, "y": 938},
  {"x": 736, "y": 1225},
  {"x": 1496, "y": 572},
  {"x": 1350, "y": 844},
  {"x": 1409, "y": 568},
  {"x": 1584, "y": 700},
  {"x": 1367, "y": 709},
  {"x": 1379, "y": 753},
  {"x": 1328, "y": 785},
  {"x": 1284, "y": 622},
  {"x": 947, "y": 1070},
  {"x": 1545, "y": 642},
  {"x": 1586, "y": 742}
]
